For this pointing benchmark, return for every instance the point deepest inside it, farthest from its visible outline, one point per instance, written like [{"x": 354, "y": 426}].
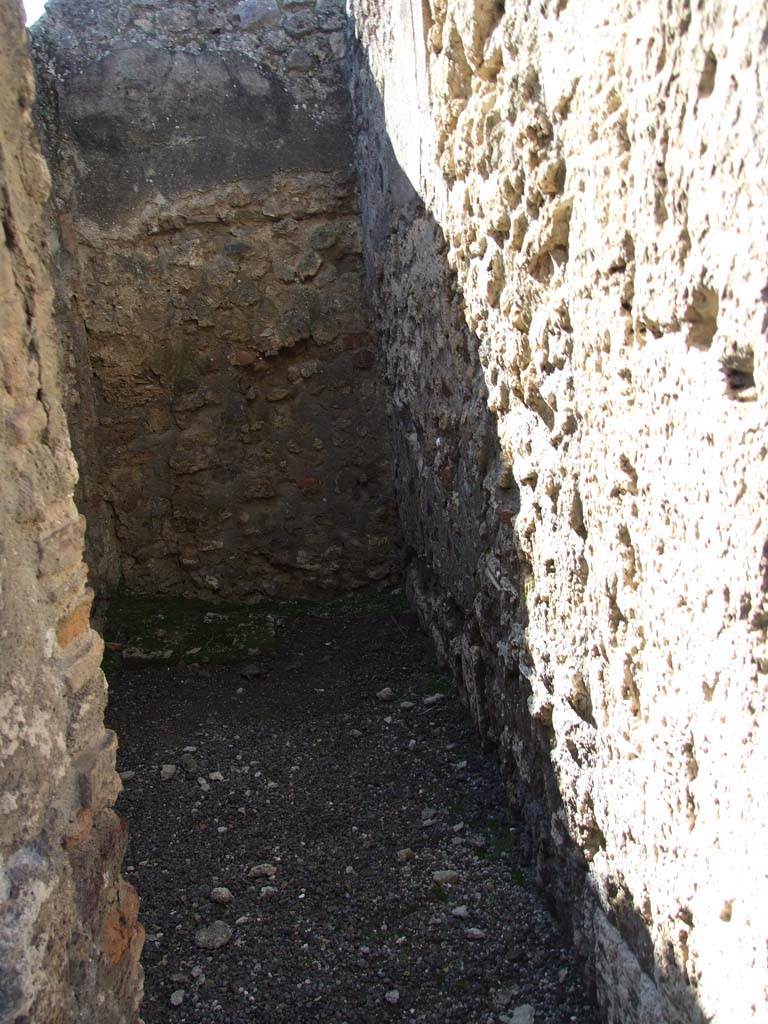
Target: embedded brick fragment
[
  {"x": 80, "y": 829},
  {"x": 121, "y": 927},
  {"x": 75, "y": 623}
]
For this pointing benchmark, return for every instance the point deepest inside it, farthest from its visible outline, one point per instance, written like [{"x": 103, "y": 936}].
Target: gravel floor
[{"x": 321, "y": 813}]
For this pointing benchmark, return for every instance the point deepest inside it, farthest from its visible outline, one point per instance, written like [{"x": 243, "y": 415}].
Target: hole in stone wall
[
  {"x": 701, "y": 316},
  {"x": 708, "y": 73},
  {"x": 576, "y": 516},
  {"x": 738, "y": 370},
  {"x": 7, "y": 220}
]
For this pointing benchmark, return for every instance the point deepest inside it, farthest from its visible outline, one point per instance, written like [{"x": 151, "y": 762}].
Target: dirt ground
[{"x": 308, "y": 816}]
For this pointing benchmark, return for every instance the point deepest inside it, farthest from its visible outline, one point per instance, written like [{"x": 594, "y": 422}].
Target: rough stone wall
[
  {"x": 564, "y": 208},
  {"x": 225, "y": 398},
  {"x": 69, "y": 938}
]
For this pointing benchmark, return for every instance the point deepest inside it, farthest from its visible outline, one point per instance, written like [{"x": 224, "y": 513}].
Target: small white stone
[
  {"x": 445, "y": 877},
  {"x": 392, "y": 997},
  {"x": 474, "y": 934},
  {"x": 461, "y": 912},
  {"x": 214, "y": 936},
  {"x": 177, "y": 997},
  {"x": 386, "y": 695},
  {"x": 168, "y": 771},
  {"x": 430, "y": 702}
]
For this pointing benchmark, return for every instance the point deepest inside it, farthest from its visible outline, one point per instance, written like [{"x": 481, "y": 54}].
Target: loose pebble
[
  {"x": 189, "y": 763},
  {"x": 263, "y": 871},
  {"x": 221, "y": 894},
  {"x": 214, "y": 936}
]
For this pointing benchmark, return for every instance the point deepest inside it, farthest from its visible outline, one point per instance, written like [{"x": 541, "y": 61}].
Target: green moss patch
[{"x": 143, "y": 630}]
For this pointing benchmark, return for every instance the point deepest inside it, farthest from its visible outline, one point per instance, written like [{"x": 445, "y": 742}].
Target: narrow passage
[{"x": 281, "y": 808}]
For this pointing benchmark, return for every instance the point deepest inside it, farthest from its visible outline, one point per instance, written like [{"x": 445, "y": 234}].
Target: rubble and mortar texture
[
  {"x": 69, "y": 937},
  {"x": 564, "y": 208},
  {"x": 223, "y": 395}
]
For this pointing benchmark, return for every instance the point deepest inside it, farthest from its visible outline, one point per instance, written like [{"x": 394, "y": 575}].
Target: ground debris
[{"x": 369, "y": 880}]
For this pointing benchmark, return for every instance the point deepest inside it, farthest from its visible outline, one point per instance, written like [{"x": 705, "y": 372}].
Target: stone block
[
  {"x": 82, "y": 664},
  {"x": 98, "y": 782}
]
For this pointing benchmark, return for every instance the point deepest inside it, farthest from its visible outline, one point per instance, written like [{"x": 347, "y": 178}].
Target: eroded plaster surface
[
  {"x": 564, "y": 207},
  {"x": 223, "y": 392}
]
